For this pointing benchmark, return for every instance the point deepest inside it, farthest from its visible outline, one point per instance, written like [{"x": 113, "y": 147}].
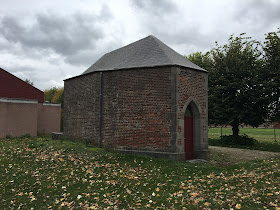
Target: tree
[
  {"x": 236, "y": 88},
  {"x": 58, "y": 97},
  {"x": 271, "y": 73},
  {"x": 49, "y": 94},
  {"x": 28, "y": 82},
  {"x": 205, "y": 61}
]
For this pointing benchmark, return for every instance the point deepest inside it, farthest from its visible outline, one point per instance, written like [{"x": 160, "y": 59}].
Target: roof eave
[{"x": 132, "y": 68}]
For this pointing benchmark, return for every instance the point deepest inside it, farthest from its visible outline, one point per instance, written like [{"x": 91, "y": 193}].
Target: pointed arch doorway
[{"x": 188, "y": 133}]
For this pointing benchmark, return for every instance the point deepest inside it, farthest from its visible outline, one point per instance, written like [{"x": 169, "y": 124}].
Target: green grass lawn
[
  {"x": 260, "y": 134},
  {"x": 39, "y": 173}
]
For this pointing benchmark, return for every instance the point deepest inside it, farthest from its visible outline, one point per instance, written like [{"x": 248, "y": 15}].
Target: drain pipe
[{"x": 100, "y": 111}]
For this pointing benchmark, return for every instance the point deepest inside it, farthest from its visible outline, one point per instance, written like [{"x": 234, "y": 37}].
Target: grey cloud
[
  {"x": 64, "y": 35},
  {"x": 41, "y": 77},
  {"x": 189, "y": 38},
  {"x": 83, "y": 58},
  {"x": 155, "y": 7},
  {"x": 88, "y": 57},
  {"x": 258, "y": 13},
  {"x": 164, "y": 19},
  {"x": 25, "y": 72}
]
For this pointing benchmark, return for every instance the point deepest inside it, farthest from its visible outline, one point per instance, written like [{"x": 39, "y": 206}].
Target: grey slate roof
[{"x": 147, "y": 52}]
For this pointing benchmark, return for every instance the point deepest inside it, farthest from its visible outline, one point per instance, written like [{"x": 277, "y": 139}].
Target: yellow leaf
[
  {"x": 273, "y": 204},
  {"x": 238, "y": 206},
  {"x": 194, "y": 194},
  {"x": 207, "y": 204},
  {"x": 157, "y": 189},
  {"x": 196, "y": 201}
]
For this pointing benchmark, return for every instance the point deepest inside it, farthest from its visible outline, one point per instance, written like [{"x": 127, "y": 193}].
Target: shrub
[
  {"x": 238, "y": 140},
  {"x": 25, "y": 136}
]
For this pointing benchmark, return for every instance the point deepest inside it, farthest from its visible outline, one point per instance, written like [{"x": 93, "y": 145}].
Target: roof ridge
[
  {"x": 128, "y": 45},
  {"x": 20, "y": 79},
  {"x": 146, "y": 52},
  {"x": 159, "y": 43}
]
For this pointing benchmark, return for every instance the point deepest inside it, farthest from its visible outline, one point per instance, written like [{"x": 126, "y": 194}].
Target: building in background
[
  {"x": 22, "y": 109},
  {"x": 13, "y": 87},
  {"x": 143, "y": 98}
]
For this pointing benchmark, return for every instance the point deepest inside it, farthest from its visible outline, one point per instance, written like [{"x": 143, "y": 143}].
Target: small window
[{"x": 188, "y": 112}]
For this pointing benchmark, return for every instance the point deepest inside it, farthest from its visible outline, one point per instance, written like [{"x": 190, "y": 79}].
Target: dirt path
[{"x": 226, "y": 155}]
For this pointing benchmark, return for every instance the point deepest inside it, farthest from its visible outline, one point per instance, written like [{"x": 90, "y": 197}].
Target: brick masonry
[
  {"x": 141, "y": 111},
  {"x": 81, "y": 108},
  {"x": 193, "y": 90}
]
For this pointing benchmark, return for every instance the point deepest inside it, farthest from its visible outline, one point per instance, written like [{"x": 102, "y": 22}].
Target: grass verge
[
  {"x": 40, "y": 173},
  {"x": 260, "y": 134},
  {"x": 259, "y": 145}
]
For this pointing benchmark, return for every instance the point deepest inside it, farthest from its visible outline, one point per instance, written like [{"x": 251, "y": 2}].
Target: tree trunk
[
  {"x": 274, "y": 133},
  {"x": 235, "y": 129}
]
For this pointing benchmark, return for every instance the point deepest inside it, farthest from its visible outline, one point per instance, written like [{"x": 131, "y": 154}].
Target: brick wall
[
  {"x": 142, "y": 109},
  {"x": 136, "y": 106},
  {"x": 135, "y": 112},
  {"x": 193, "y": 87},
  {"x": 192, "y": 83},
  {"x": 81, "y": 108}
]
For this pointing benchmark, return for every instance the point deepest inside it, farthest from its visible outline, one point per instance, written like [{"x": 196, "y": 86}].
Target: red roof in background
[
  {"x": 14, "y": 87},
  {"x": 277, "y": 125}
]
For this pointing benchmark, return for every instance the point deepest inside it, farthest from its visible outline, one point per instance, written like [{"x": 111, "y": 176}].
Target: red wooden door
[{"x": 188, "y": 132}]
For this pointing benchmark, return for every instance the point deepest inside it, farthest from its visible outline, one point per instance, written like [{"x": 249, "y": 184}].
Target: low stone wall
[
  {"x": 20, "y": 116},
  {"x": 48, "y": 118}
]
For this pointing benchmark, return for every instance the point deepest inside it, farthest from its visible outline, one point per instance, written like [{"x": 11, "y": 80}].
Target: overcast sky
[{"x": 48, "y": 41}]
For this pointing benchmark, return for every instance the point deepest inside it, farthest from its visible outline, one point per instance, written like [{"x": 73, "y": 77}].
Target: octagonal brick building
[{"x": 143, "y": 98}]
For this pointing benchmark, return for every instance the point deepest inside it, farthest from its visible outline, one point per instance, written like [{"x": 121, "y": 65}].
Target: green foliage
[
  {"x": 49, "y": 93},
  {"x": 205, "y": 61},
  {"x": 28, "y": 81},
  {"x": 260, "y": 134},
  {"x": 58, "y": 97},
  {"x": 235, "y": 91},
  {"x": 271, "y": 73},
  {"x": 263, "y": 146},
  {"x": 54, "y": 95},
  {"x": 25, "y": 136},
  {"x": 237, "y": 140}
]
